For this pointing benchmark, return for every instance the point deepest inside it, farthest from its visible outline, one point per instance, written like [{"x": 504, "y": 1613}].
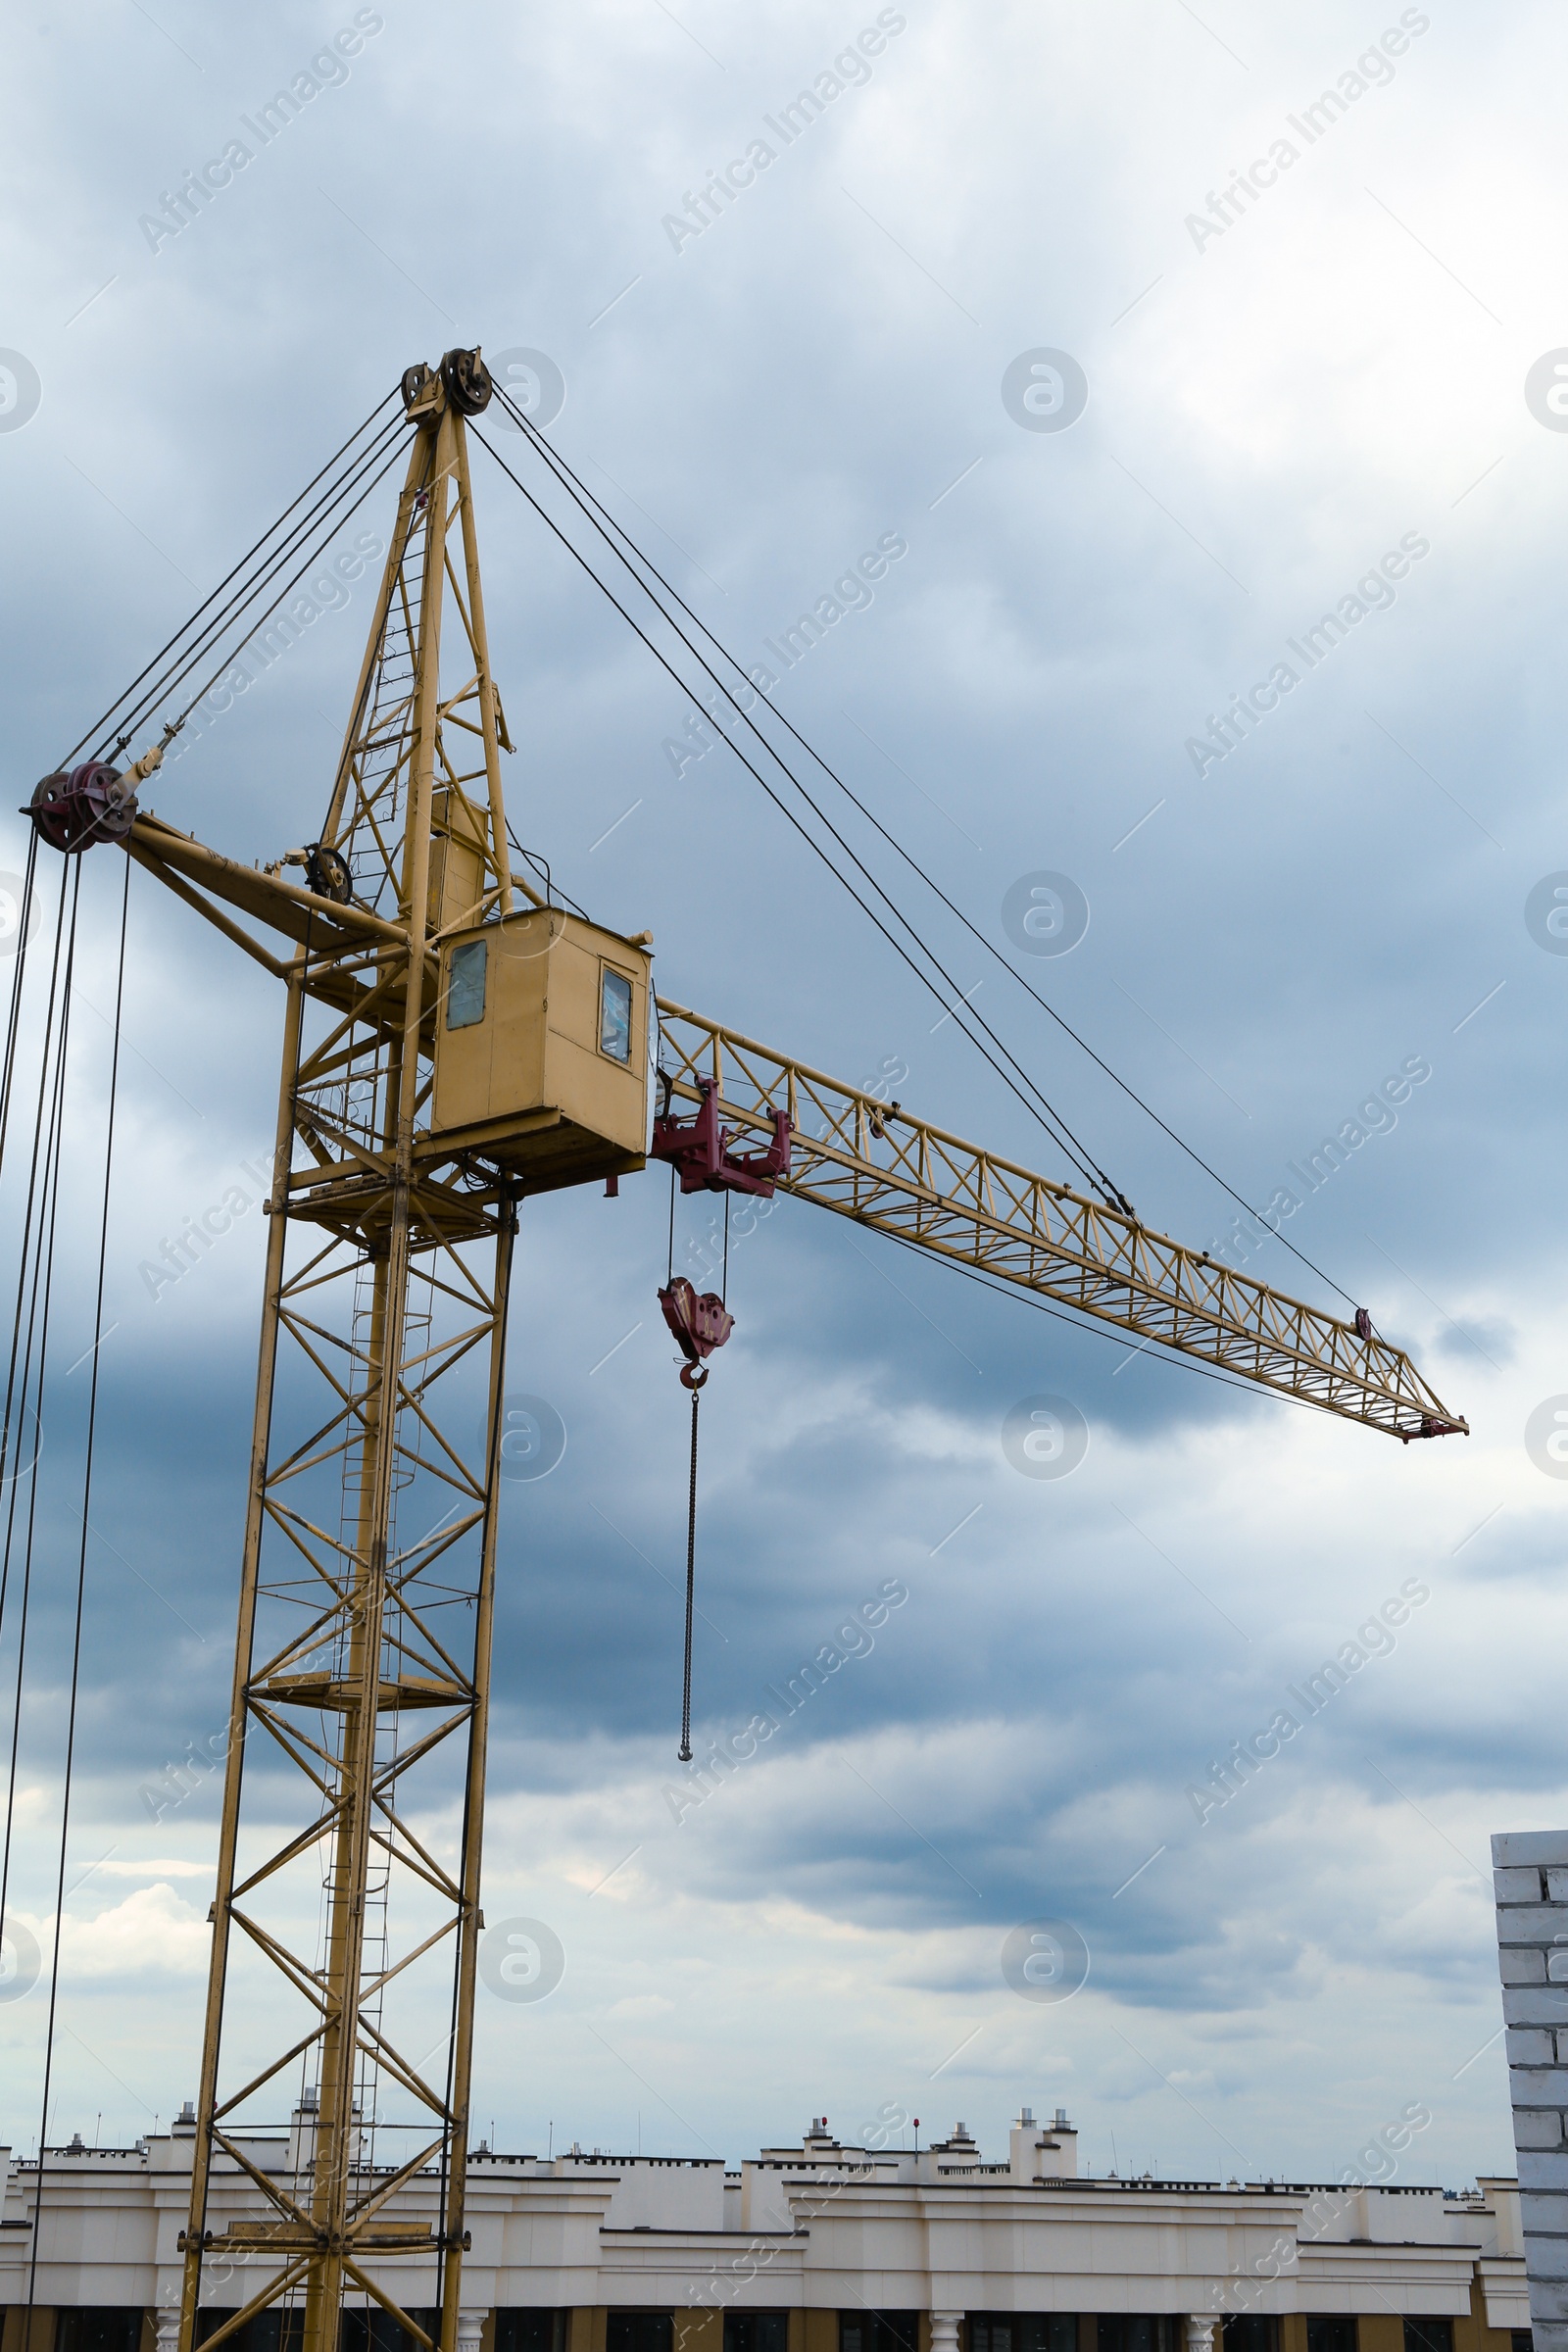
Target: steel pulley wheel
[
  {"x": 468, "y": 381},
  {"x": 90, "y": 804},
  {"x": 327, "y": 871},
  {"x": 417, "y": 380}
]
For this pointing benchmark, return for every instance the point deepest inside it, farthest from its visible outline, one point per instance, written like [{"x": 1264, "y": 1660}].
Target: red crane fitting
[
  {"x": 701, "y": 1149},
  {"x": 699, "y": 1324},
  {"x": 94, "y": 803}
]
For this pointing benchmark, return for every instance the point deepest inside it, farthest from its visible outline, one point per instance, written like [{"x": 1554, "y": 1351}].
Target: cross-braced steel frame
[{"x": 347, "y": 1910}]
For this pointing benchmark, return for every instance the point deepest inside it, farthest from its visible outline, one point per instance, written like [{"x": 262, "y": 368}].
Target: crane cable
[
  {"x": 696, "y": 1380},
  {"x": 1054, "y": 1124},
  {"x": 126, "y": 713},
  {"x": 18, "y": 978},
  {"x": 81, "y": 1585},
  {"x": 348, "y": 494},
  {"x": 685, "y": 1751},
  {"x": 586, "y": 500},
  {"x": 51, "y": 1093},
  {"x": 955, "y": 1008}
]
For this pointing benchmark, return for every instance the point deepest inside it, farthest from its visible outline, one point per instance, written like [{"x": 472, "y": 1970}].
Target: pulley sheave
[{"x": 92, "y": 803}]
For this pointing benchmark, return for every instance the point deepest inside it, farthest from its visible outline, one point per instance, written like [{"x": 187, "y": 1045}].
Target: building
[
  {"x": 1530, "y": 1875},
  {"x": 818, "y": 2247}
]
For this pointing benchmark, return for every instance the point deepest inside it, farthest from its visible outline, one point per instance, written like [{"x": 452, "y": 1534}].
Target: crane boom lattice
[{"x": 852, "y": 1153}]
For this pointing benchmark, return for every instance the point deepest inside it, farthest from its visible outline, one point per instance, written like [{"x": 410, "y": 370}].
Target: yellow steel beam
[{"x": 901, "y": 1175}]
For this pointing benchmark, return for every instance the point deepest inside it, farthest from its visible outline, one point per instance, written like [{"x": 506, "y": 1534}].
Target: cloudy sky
[{"x": 1284, "y": 388}]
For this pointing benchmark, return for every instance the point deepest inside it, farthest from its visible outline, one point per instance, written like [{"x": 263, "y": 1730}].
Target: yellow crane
[{"x": 453, "y": 1041}]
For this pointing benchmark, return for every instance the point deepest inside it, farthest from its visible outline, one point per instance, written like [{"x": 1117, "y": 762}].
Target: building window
[
  {"x": 281, "y": 2329},
  {"x": 277, "y": 2329},
  {"x": 1252, "y": 2332},
  {"x": 757, "y": 2332},
  {"x": 268, "y": 2331},
  {"x": 99, "y": 2328},
  {"x": 363, "y": 2330},
  {"x": 525, "y": 2330},
  {"x": 879, "y": 2332},
  {"x": 1138, "y": 2331},
  {"x": 1523, "y": 2340},
  {"x": 1335, "y": 2332},
  {"x": 466, "y": 985},
  {"x": 1023, "y": 2332},
  {"x": 1429, "y": 2335},
  {"x": 639, "y": 2331},
  {"x": 615, "y": 1016}
]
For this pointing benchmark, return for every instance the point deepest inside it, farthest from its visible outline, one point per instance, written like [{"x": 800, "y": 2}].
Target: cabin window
[
  {"x": 615, "y": 1016},
  {"x": 466, "y": 985}
]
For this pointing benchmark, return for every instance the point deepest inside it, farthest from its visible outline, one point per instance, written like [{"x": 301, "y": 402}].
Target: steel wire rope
[
  {"x": 541, "y": 866},
  {"x": 957, "y": 1010},
  {"x": 102, "y": 724},
  {"x": 685, "y": 1753},
  {"x": 1041, "y": 1109},
  {"x": 594, "y": 508},
  {"x": 8, "y": 1474},
  {"x": 352, "y": 488},
  {"x": 587, "y": 498},
  {"x": 352, "y": 482},
  {"x": 44, "y": 1264},
  {"x": 18, "y": 981},
  {"x": 346, "y": 496},
  {"x": 1075, "y": 1150},
  {"x": 81, "y": 1587}
]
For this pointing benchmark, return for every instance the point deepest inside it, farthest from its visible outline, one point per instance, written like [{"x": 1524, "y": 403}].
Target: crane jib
[{"x": 884, "y": 1169}]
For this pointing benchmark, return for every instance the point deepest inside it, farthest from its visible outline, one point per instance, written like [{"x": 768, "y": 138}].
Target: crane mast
[
  {"x": 452, "y": 1041},
  {"x": 368, "y": 1571}
]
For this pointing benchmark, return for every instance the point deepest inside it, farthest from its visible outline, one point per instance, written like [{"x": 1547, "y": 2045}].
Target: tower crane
[{"x": 455, "y": 1040}]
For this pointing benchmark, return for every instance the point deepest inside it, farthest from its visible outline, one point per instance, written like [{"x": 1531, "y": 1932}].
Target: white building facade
[{"x": 816, "y": 2247}]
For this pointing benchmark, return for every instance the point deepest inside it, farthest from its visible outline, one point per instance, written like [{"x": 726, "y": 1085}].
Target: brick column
[{"x": 1530, "y": 1874}]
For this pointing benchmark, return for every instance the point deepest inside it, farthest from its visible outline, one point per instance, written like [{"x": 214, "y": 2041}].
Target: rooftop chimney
[{"x": 1042, "y": 2151}]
